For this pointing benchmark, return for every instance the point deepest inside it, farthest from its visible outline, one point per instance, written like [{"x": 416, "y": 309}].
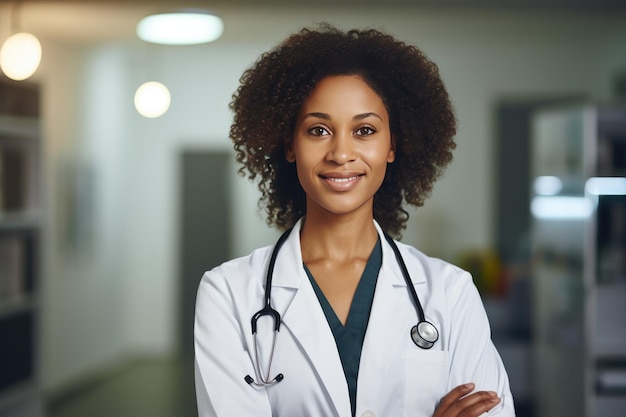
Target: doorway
[{"x": 205, "y": 240}]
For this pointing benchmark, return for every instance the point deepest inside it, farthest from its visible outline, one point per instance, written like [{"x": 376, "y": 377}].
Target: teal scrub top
[{"x": 349, "y": 338}]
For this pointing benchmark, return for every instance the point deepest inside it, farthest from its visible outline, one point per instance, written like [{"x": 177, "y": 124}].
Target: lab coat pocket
[{"x": 425, "y": 381}]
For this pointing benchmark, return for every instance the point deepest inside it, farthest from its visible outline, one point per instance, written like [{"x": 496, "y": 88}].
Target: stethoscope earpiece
[{"x": 424, "y": 334}]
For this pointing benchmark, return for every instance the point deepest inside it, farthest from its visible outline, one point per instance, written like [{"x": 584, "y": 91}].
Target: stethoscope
[{"x": 424, "y": 334}]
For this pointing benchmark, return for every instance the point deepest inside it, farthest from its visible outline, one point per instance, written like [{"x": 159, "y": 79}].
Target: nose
[{"x": 342, "y": 149}]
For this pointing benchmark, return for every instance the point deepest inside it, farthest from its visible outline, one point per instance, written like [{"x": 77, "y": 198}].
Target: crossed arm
[{"x": 457, "y": 403}]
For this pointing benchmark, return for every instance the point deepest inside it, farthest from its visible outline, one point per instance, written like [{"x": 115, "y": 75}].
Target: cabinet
[
  {"x": 20, "y": 250},
  {"x": 578, "y": 206}
]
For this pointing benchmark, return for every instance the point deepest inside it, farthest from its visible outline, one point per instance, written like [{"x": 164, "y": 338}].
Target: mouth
[
  {"x": 342, "y": 179},
  {"x": 341, "y": 182}
]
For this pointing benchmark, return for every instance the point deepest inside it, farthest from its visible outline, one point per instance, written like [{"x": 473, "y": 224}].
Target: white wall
[
  {"x": 84, "y": 289},
  {"x": 117, "y": 295}
]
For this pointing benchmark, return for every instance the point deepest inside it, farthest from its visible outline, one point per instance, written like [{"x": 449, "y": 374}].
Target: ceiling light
[
  {"x": 20, "y": 56},
  {"x": 606, "y": 186},
  {"x": 547, "y": 185},
  {"x": 152, "y": 99},
  {"x": 561, "y": 208},
  {"x": 184, "y": 27}
]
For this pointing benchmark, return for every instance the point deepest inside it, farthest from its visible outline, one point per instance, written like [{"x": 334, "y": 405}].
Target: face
[{"x": 341, "y": 146}]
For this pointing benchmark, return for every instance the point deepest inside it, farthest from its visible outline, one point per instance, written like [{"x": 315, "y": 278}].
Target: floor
[{"x": 147, "y": 388}]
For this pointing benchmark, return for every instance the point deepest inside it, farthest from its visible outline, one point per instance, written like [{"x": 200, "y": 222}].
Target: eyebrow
[{"x": 326, "y": 116}]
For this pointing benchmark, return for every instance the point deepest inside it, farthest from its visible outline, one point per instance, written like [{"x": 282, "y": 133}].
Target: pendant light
[
  {"x": 152, "y": 99},
  {"x": 20, "y": 54}
]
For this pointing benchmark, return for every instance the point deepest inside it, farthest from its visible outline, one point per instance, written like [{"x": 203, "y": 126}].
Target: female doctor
[{"x": 337, "y": 318}]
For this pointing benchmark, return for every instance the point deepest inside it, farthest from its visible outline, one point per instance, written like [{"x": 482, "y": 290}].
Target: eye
[
  {"x": 365, "y": 131},
  {"x": 319, "y": 131}
]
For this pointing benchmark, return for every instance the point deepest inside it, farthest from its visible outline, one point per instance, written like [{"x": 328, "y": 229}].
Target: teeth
[{"x": 342, "y": 179}]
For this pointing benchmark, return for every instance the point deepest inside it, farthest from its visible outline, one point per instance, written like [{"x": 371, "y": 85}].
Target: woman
[{"x": 343, "y": 129}]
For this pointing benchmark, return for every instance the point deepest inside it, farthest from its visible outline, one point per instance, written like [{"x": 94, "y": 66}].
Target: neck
[{"x": 337, "y": 238}]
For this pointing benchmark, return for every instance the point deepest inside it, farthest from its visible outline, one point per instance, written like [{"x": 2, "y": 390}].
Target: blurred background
[{"x": 108, "y": 218}]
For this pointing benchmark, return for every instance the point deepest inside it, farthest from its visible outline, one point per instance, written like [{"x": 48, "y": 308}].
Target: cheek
[
  {"x": 378, "y": 157},
  {"x": 306, "y": 156},
  {"x": 303, "y": 167}
]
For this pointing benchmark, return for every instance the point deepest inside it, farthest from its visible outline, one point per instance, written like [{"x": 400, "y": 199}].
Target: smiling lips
[{"x": 341, "y": 182}]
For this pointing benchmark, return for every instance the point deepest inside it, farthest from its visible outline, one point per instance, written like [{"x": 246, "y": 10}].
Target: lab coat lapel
[
  {"x": 304, "y": 318},
  {"x": 385, "y": 328}
]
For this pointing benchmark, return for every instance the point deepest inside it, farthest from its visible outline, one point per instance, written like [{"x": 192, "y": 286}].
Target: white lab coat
[{"x": 396, "y": 378}]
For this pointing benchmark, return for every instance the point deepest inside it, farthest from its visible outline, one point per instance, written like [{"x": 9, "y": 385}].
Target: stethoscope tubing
[
  {"x": 424, "y": 334},
  {"x": 405, "y": 273},
  {"x": 267, "y": 307}
]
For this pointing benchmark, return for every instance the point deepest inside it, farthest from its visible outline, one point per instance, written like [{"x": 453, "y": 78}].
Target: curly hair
[{"x": 271, "y": 92}]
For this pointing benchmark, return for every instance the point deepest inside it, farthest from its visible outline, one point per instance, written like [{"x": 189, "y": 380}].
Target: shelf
[
  {"x": 20, "y": 246},
  {"x": 611, "y": 382},
  {"x": 25, "y": 391},
  {"x": 17, "y": 304},
  {"x": 18, "y": 359},
  {"x": 18, "y": 222},
  {"x": 20, "y": 180},
  {"x": 608, "y": 335},
  {"x": 608, "y": 406},
  {"x": 579, "y": 309},
  {"x": 610, "y": 377},
  {"x": 19, "y": 127}
]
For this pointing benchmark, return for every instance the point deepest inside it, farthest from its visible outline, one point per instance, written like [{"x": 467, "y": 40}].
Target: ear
[
  {"x": 290, "y": 155},
  {"x": 392, "y": 151}
]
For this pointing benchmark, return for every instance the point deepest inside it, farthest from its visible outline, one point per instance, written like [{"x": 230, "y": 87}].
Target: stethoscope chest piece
[{"x": 424, "y": 334}]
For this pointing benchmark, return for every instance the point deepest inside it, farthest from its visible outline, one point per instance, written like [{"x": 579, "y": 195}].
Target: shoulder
[
  {"x": 432, "y": 267},
  {"x": 235, "y": 276},
  {"x": 449, "y": 290},
  {"x": 237, "y": 267},
  {"x": 442, "y": 278}
]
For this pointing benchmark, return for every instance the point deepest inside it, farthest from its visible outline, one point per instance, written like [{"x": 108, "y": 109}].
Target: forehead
[{"x": 343, "y": 93}]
